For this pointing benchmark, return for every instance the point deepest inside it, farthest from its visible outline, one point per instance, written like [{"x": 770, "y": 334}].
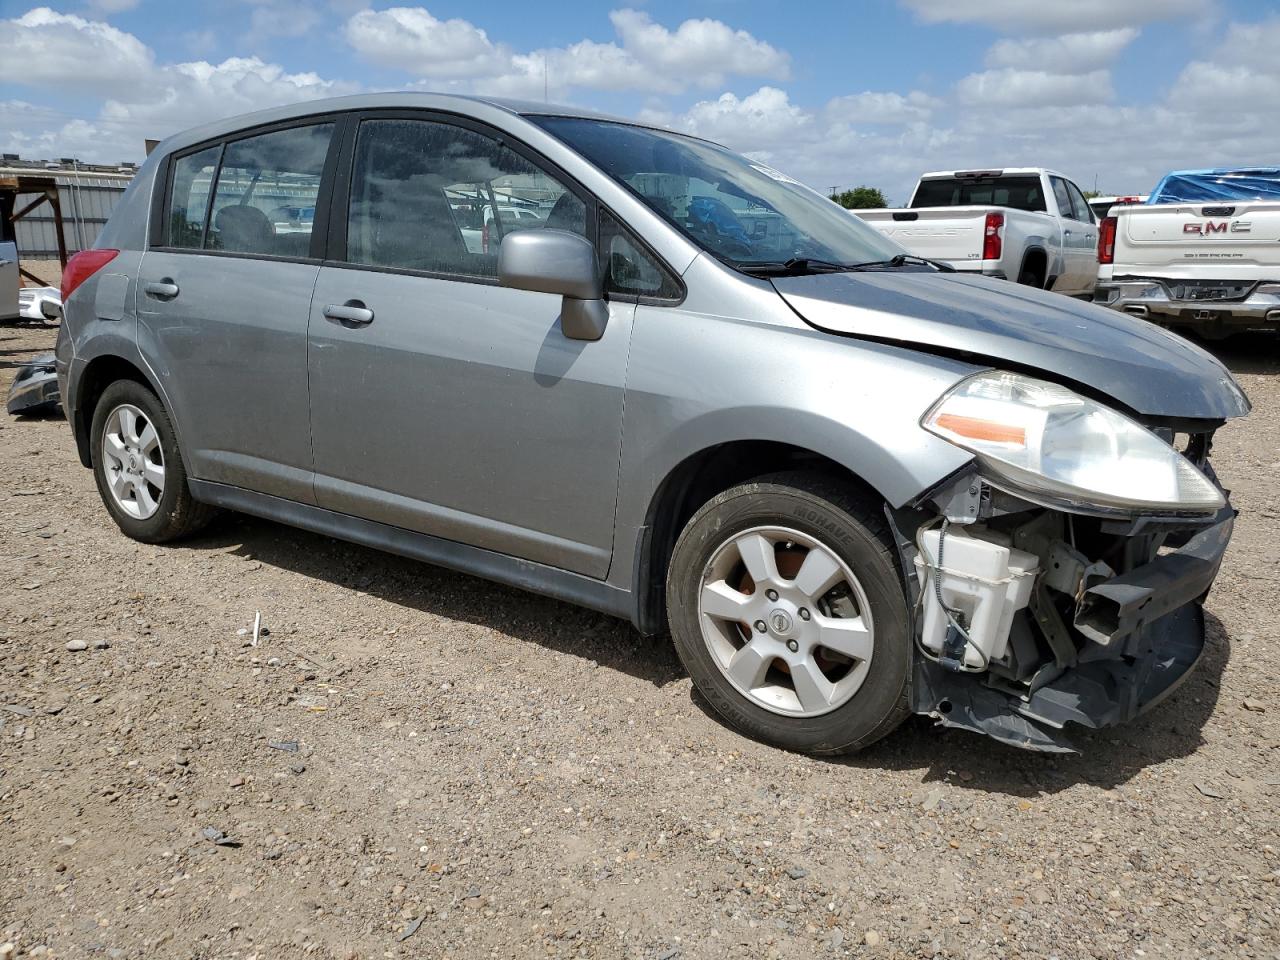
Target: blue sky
[{"x": 834, "y": 93}]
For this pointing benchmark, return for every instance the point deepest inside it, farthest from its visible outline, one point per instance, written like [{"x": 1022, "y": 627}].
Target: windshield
[{"x": 741, "y": 211}]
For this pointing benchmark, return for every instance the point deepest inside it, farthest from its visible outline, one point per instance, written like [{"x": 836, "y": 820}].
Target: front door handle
[
  {"x": 164, "y": 289},
  {"x": 1066, "y": 233},
  {"x": 353, "y": 313}
]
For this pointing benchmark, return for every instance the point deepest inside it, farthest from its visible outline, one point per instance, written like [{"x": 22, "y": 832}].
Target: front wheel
[{"x": 787, "y": 609}]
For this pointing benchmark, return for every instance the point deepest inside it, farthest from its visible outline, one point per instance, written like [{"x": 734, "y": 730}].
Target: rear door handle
[
  {"x": 353, "y": 313},
  {"x": 164, "y": 289},
  {"x": 1066, "y": 233}
]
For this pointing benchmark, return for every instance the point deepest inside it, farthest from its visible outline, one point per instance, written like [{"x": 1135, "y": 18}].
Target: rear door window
[
  {"x": 266, "y": 193},
  {"x": 439, "y": 198},
  {"x": 1079, "y": 205},
  {"x": 1063, "y": 196}
]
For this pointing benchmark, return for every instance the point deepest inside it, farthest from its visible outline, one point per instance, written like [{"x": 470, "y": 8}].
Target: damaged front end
[{"x": 1036, "y": 609}]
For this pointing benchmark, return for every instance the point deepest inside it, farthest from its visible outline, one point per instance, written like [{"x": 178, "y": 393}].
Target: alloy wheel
[
  {"x": 133, "y": 461},
  {"x": 786, "y": 621}
]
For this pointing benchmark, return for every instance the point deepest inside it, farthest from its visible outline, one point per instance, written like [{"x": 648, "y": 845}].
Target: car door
[
  {"x": 1089, "y": 254},
  {"x": 223, "y": 300},
  {"x": 440, "y": 401},
  {"x": 1078, "y": 242}
]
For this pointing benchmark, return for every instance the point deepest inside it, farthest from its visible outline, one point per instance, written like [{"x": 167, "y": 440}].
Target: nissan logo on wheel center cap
[{"x": 780, "y": 621}]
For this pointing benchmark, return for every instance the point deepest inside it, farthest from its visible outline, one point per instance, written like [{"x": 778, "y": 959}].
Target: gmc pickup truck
[
  {"x": 1025, "y": 224},
  {"x": 1203, "y": 254}
]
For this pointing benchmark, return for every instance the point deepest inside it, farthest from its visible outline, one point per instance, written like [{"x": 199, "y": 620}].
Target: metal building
[{"x": 81, "y": 196}]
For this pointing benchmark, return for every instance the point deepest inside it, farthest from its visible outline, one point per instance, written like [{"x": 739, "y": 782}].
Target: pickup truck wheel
[
  {"x": 787, "y": 608},
  {"x": 138, "y": 467},
  {"x": 1031, "y": 277}
]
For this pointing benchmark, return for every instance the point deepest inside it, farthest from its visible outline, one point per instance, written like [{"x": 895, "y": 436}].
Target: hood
[{"x": 1146, "y": 368}]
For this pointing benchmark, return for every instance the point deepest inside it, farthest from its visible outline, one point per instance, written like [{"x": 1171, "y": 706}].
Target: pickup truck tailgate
[
  {"x": 1242, "y": 234},
  {"x": 941, "y": 233}
]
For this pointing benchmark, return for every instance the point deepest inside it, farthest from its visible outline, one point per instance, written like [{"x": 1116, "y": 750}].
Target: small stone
[
  {"x": 1253, "y": 706},
  {"x": 299, "y": 768},
  {"x": 76, "y": 645},
  {"x": 965, "y": 776},
  {"x": 237, "y": 781},
  {"x": 102, "y": 643},
  {"x": 932, "y": 799},
  {"x": 273, "y": 661},
  {"x": 6, "y": 949},
  {"x": 871, "y": 938},
  {"x": 1209, "y": 790},
  {"x": 797, "y": 873}
]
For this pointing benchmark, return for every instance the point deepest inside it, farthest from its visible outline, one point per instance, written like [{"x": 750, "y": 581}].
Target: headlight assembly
[{"x": 1046, "y": 441}]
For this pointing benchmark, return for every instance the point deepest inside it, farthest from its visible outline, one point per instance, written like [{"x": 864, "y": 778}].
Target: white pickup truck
[
  {"x": 1025, "y": 224},
  {"x": 1212, "y": 266}
]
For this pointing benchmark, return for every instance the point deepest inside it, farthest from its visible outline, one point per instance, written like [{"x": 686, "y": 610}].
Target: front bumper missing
[{"x": 1149, "y": 628}]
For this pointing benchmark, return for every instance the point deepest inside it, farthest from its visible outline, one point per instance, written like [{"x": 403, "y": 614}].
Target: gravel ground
[{"x": 417, "y": 763}]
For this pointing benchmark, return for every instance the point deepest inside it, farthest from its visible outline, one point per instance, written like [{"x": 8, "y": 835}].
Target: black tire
[
  {"x": 854, "y": 528},
  {"x": 1030, "y": 277},
  {"x": 178, "y": 514}
]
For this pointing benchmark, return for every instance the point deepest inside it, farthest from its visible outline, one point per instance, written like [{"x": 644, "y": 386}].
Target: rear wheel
[
  {"x": 1031, "y": 275},
  {"x": 787, "y": 609},
  {"x": 138, "y": 468}
]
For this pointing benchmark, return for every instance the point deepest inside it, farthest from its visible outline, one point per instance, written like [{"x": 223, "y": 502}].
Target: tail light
[
  {"x": 1107, "y": 240},
  {"x": 484, "y": 239},
  {"x": 82, "y": 266},
  {"x": 992, "y": 245}
]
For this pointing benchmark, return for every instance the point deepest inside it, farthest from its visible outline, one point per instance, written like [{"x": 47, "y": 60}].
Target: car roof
[
  {"x": 1002, "y": 171},
  {"x": 473, "y": 106}
]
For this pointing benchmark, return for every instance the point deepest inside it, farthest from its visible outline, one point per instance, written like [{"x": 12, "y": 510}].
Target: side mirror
[{"x": 556, "y": 261}]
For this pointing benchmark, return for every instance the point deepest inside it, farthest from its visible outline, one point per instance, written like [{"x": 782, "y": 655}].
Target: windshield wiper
[
  {"x": 901, "y": 260},
  {"x": 794, "y": 267}
]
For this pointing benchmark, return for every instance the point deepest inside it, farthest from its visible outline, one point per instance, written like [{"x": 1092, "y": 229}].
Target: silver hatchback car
[{"x": 636, "y": 371}]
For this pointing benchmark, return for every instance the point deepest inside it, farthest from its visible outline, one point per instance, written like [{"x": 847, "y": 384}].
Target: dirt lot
[{"x": 484, "y": 773}]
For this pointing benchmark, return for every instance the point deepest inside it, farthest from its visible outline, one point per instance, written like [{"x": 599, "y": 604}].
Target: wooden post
[{"x": 57, "y": 225}]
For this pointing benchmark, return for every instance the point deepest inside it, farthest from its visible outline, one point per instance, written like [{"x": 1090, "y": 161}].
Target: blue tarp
[{"x": 1224, "y": 183}]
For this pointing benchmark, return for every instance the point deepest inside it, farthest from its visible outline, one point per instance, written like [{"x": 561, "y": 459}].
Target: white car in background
[{"x": 40, "y": 303}]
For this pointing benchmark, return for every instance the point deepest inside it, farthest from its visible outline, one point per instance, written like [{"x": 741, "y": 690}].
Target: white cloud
[
  {"x": 753, "y": 122},
  {"x": 1034, "y": 88},
  {"x": 1242, "y": 70},
  {"x": 882, "y": 108},
  {"x": 184, "y": 94},
  {"x": 280, "y": 18},
  {"x": 1058, "y": 17},
  {"x": 107, "y": 7},
  {"x": 44, "y": 48},
  {"x": 708, "y": 49},
  {"x": 650, "y": 57},
  {"x": 141, "y": 98},
  {"x": 411, "y": 39},
  {"x": 1068, "y": 53}
]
